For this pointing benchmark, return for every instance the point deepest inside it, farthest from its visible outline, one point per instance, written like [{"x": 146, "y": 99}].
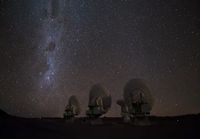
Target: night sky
[{"x": 52, "y": 49}]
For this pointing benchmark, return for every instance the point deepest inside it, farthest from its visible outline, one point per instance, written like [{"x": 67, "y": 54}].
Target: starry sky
[{"x": 52, "y": 49}]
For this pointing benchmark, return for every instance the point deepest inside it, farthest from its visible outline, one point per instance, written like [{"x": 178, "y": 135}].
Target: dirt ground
[{"x": 180, "y": 127}]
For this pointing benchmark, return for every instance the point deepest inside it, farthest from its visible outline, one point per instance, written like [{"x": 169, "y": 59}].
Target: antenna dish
[
  {"x": 137, "y": 97},
  {"x": 73, "y": 108},
  {"x": 99, "y": 101},
  {"x": 73, "y": 101}
]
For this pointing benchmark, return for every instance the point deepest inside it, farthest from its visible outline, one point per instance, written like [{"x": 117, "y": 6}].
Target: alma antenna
[
  {"x": 137, "y": 99},
  {"x": 99, "y": 101},
  {"x": 73, "y": 108}
]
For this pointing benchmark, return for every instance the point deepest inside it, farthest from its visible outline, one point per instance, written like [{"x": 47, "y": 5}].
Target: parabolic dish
[
  {"x": 73, "y": 101},
  {"x": 134, "y": 90},
  {"x": 99, "y": 92}
]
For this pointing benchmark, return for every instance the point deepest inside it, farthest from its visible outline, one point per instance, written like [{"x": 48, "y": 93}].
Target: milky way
[
  {"x": 52, "y": 49},
  {"x": 52, "y": 28}
]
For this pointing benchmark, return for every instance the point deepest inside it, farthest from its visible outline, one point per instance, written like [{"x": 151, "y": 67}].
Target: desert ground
[{"x": 178, "y": 127}]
